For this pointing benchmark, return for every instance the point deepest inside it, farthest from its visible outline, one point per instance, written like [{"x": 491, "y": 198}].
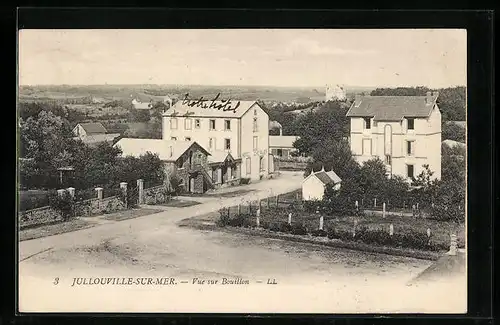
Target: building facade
[
  {"x": 282, "y": 145},
  {"x": 240, "y": 129},
  {"x": 403, "y": 131},
  {"x": 314, "y": 185}
]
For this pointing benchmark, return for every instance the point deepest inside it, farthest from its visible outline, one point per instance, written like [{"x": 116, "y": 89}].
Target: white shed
[{"x": 314, "y": 185}]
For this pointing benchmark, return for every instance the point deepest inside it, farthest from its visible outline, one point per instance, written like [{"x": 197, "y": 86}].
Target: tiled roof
[
  {"x": 392, "y": 108},
  {"x": 323, "y": 177},
  {"x": 93, "y": 128},
  {"x": 326, "y": 177},
  {"x": 219, "y": 156},
  {"x": 138, "y": 147},
  {"x": 181, "y": 108},
  {"x": 282, "y": 141},
  {"x": 336, "y": 179}
]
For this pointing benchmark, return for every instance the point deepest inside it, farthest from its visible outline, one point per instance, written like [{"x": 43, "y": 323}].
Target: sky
[{"x": 277, "y": 57}]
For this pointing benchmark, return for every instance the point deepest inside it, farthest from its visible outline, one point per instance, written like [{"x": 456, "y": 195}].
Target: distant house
[
  {"x": 314, "y": 185},
  {"x": 282, "y": 145},
  {"x": 142, "y": 105},
  {"x": 93, "y": 133},
  {"x": 336, "y": 92}
]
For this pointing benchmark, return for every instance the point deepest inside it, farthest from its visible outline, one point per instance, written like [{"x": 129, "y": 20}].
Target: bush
[
  {"x": 280, "y": 226},
  {"x": 299, "y": 229},
  {"x": 223, "y": 217},
  {"x": 245, "y": 181},
  {"x": 64, "y": 204},
  {"x": 319, "y": 233},
  {"x": 241, "y": 220}
]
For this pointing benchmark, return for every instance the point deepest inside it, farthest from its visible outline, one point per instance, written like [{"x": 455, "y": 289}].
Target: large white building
[
  {"x": 403, "y": 131},
  {"x": 336, "y": 92},
  {"x": 240, "y": 128}
]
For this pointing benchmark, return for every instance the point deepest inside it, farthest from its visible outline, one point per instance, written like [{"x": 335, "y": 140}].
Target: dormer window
[{"x": 367, "y": 123}]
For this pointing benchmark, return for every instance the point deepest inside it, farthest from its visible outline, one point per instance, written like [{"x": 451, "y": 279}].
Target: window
[
  {"x": 261, "y": 163},
  {"x": 249, "y": 165},
  {"x": 255, "y": 112},
  {"x": 173, "y": 138},
  {"x": 367, "y": 147},
  {"x": 411, "y": 123},
  {"x": 227, "y": 144},
  {"x": 188, "y": 124},
  {"x": 211, "y": 143},
  {"x": 409, "y": 171},
  {"x": 255, "y": 124},
  {"x": 410, "y": 148},
  {"x": 212, "y": 124},
  {"x": 180, "y": 162},
  {"x": 367, "y": 123},
  {"x": 197, "y": 124},
  {"x": 255, "y": 143},
  {"x": 188, "y": 139},
  {"x": 279, "y": 152},
  {"x": 388, "y": 159},
  {"x": 227, "y": 124},
  {"x": 173, "y": 123}
]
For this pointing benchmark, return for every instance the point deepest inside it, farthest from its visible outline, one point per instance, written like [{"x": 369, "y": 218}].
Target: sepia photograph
[{"x": 242, "y": 171}]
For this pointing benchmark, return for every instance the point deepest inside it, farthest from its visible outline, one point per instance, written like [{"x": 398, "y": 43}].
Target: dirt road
[{"x": 308, "y": 278}]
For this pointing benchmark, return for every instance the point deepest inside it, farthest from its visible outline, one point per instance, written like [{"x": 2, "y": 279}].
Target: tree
[
  {"x": 452, "y": 131},
  {"x": 336, "y": 156},
  {"x": 139, "y": 115},
  {"x": 451, "y": 103}
]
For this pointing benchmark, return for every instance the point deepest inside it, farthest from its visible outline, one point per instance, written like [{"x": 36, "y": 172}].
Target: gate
[{"x": 132, "y": 196}]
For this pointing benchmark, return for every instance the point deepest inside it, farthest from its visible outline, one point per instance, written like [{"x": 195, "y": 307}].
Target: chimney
[{"x": 428, "y": 98}]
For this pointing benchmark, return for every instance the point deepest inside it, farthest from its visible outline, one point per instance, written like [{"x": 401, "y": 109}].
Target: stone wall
[
  {"x": 38, "y": 216},
  {"x": 46, "y": 215},
  {"x": 156, "y": 195}
]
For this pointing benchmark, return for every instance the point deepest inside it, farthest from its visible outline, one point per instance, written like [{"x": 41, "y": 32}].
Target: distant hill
[{"x": 117, "y": 92}]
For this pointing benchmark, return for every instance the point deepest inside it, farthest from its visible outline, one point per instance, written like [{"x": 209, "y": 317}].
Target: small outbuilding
[{"x": 314, "y": 185}]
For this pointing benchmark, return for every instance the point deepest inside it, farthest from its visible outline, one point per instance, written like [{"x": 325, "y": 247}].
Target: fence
[{"x": 81, "y": 207}]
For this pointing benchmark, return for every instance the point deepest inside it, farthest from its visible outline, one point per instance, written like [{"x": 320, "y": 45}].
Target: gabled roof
[
  {"x": 204, "y": 109},
  {"x": 93, "y": 128},
  {"x": 282, "y": 141},
  {"x": 392, "y": 108},
  {"x": 166, "y": 150},
  {"x": 219, "y": 156},
  {"x": 325, "y": 177}
]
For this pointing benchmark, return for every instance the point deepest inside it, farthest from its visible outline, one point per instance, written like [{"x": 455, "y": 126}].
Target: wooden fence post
[
  {"x": 383, "y": 210},
  {"x": 239, "y": 209},
  {"x": 257, "y": 220},
  {"x": 375, "y": 203},
  {"x": 356, "y": 205},
  {"x": 391, "y": 230},
  {"x": 321, "y": 220},
  {"x": 290, "y": 218}
]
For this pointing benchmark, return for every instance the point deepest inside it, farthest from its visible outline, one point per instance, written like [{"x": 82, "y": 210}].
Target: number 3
[{"x": 56, "y": 281}]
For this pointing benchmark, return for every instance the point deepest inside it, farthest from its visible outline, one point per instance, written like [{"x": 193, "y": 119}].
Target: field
[{"x": 156, "y": 92}]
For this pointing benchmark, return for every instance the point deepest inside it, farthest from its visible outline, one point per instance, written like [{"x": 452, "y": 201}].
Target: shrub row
[{"x": 403, "y": 239}]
